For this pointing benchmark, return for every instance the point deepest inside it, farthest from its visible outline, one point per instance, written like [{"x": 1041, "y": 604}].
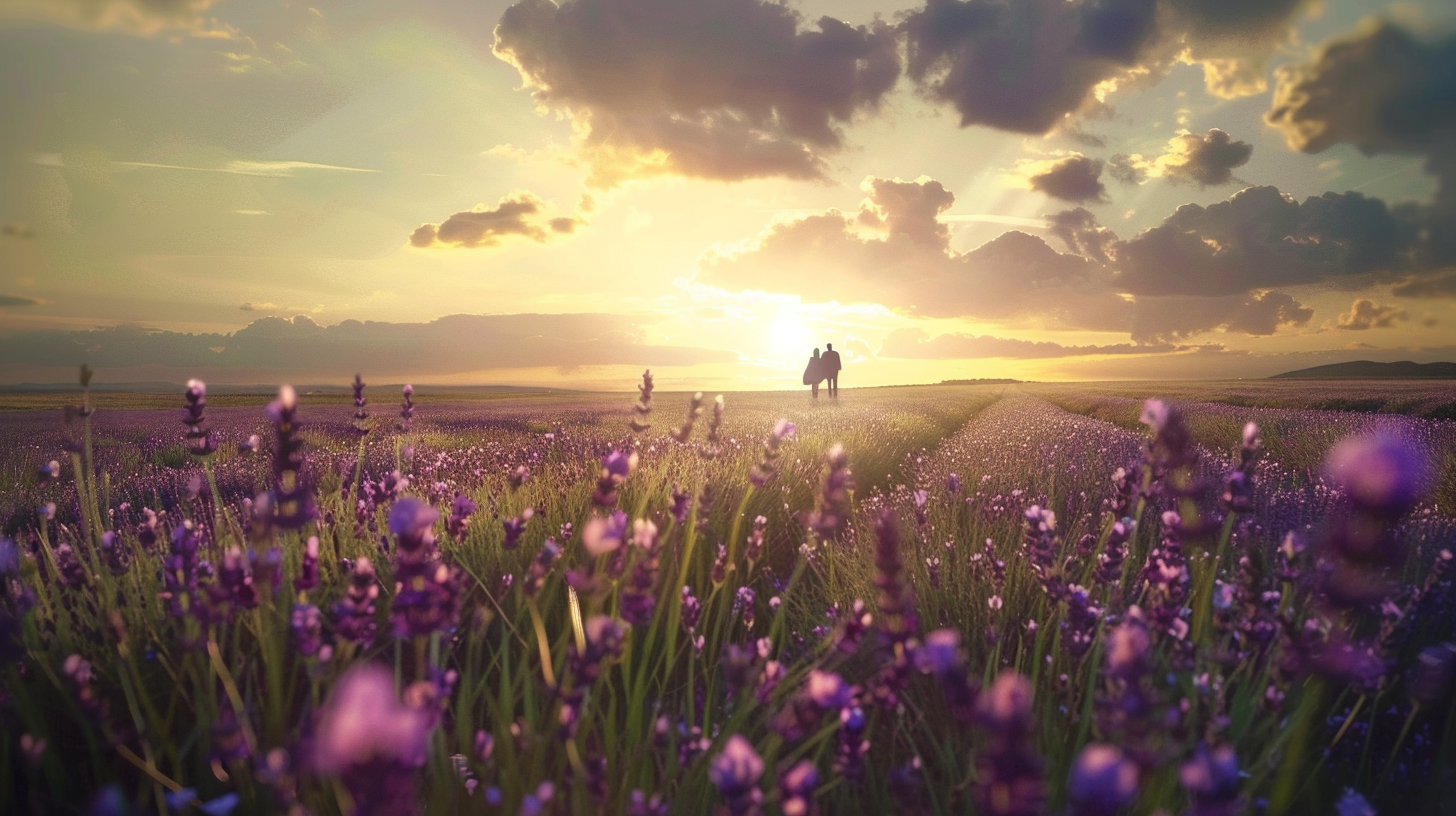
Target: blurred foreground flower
[{"x": 372, "y": 742}]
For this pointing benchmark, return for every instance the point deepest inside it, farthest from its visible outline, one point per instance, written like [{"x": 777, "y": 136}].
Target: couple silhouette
[{"x": 821, "y": 368}]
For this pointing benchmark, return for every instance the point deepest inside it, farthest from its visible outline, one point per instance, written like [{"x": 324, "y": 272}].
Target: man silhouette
[{"x": 830, "y": 361}]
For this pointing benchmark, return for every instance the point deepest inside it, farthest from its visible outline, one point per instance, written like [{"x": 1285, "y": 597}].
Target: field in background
[{"x": 953, "y": 599}]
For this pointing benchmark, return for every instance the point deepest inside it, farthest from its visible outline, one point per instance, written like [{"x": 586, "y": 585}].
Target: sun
[{"x": 789, "y": 338}]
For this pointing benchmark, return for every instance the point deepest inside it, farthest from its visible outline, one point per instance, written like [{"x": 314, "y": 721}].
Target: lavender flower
[
  {"x": 768, "y": 464},
  {"x": 541, "y": 566},
  {"x": 754, "y": 549},
  {"x": 736, "y": 771},
  {"x": 407, "y": 408},
  {"x": 1382, "y": 477},
  {"x": 515, "y": 527},
  {"x": 427, "y": 591},
  {"x": 199, "y": 441},
  {"x": 1009, "y": 771},
  {"x": 361, "y": 416},
  {"x": 353, "y": 615},
  {"x": 695, "y": 409},
  {"x": 643, "y": 409},
  {"x": 307, "y": 623},
  {"x": 1212, "y": 779},
  {"x": 290, "y": 505},
  {"x": 639, "y": 595},
  {"x": 604, "y": 535},
  {"x": 830, "y": 517},
  {"x": 616, "y": 467},
  {"x": 372, "y": 742},
  {"x": 1103, "y": 781},
  {"x": 796, "y": 789},
  {"x": 308, "y": 571}
]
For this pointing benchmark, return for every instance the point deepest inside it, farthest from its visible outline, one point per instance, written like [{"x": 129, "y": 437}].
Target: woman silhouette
[{"x": 814, "y": 373}]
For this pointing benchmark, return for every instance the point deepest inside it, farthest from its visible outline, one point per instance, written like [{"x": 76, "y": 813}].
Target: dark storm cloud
[
  {"x": 1023, "y": 65},
  {"x": 720, "y": 89},
  {"x": 299, "y": 346},
  {"x": 519, "y": 213},
  {"x": 917, "y": 344},
  {"x": 1075, "y": 178},
  {"x": 1205, "y": 160},
  {"x": 1261, "y": 238},
  {"x": 1381, "y": 90},
  {"x": 14, "y": 301},
  {"x": 1366, "y": 314}
]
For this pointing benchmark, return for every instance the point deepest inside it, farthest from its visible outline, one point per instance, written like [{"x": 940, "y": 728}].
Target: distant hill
[
  {"x": 1368, "y": 370},
  {"x": 982, "y": 381}
]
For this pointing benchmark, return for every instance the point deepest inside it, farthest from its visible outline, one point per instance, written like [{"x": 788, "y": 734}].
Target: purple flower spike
[
  {"x": 199, "y": 441},
  {"x": 736, "y": 771},
  {"x": 361, "y": 416},
  {"x": 796, "y": 789},
  {"x": 460, "y": 511},
  {"x": 1102, "y": 782},
  {"x": 1006, "y": 705},
  {"x": 604, "y": 535},
  {"x": 1212, "y": 779},
  {"x": 373, "y": 742},
  {"x": 1382, "y": 475},
  {"x": 308, "y": 573},
  {"x": 616, "y": 467},
  {"x": 407, "y": 408}
]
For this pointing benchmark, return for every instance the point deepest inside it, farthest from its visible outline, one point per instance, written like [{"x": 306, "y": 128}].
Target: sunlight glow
[{"x": 789, "y": 339}]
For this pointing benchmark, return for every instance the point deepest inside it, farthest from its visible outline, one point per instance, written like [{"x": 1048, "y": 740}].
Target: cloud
[
  {"x": 1178, "y": 317},
  {"x": 1366, "y": 314},
  {"x": 1381, "y": 90},
  {"x": 1206, "y": 160},
  {"x": 1261, "y": 238},
  {"x": 1438, "y": 286},
  {"x": 259, "y": 307},
  {"x": 283, "y": 347},
  {"x": 896, "y": 251},
  {"x": 1202, "y": 270},
  {"x": 246, "y": 167},
  {"x": 911, "y": 343},
  {"x": 1080, "y": 231},
  {"x": 717, "y": 89},
  {"x": 16, "y": 231},
  {"x": 1074, "y": 178},
  {"x": 519, "y": 213},
  {"x": 18, "y": 301},
  {"x": 1025, "y": 65},
  {"x": 138, "y": 17}
]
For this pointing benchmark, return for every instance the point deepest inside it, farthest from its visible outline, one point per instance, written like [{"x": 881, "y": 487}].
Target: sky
[{"x": 565, "y": 193}]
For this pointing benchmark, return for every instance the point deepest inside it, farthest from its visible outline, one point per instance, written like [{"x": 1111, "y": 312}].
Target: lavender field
[{"x": 982, "y": 599}]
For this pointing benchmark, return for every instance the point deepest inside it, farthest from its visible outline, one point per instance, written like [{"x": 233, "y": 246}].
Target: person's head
[
  {"x": 816, "y": 352},
  {"x": 829, "y": 346}
]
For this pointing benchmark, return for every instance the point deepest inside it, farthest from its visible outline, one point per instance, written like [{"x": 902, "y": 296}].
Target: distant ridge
[{"x": 1369, "y": 370}]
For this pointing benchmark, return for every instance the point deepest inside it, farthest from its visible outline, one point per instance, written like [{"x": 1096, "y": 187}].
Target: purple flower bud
[
  {"x": 1006, "y": 705},
  {"x": 736, "y": 771},
  {"x": 1382, "y": 475},
  {"x": 796, "y": 788},
  {"x": 604, "y": 535},
  {"x": 1102, "y": 781}
]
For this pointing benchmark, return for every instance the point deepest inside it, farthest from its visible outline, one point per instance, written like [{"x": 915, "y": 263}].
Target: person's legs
[
  {"x": 814, "y": 389},
  {"x": 834, "y": 386}
]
